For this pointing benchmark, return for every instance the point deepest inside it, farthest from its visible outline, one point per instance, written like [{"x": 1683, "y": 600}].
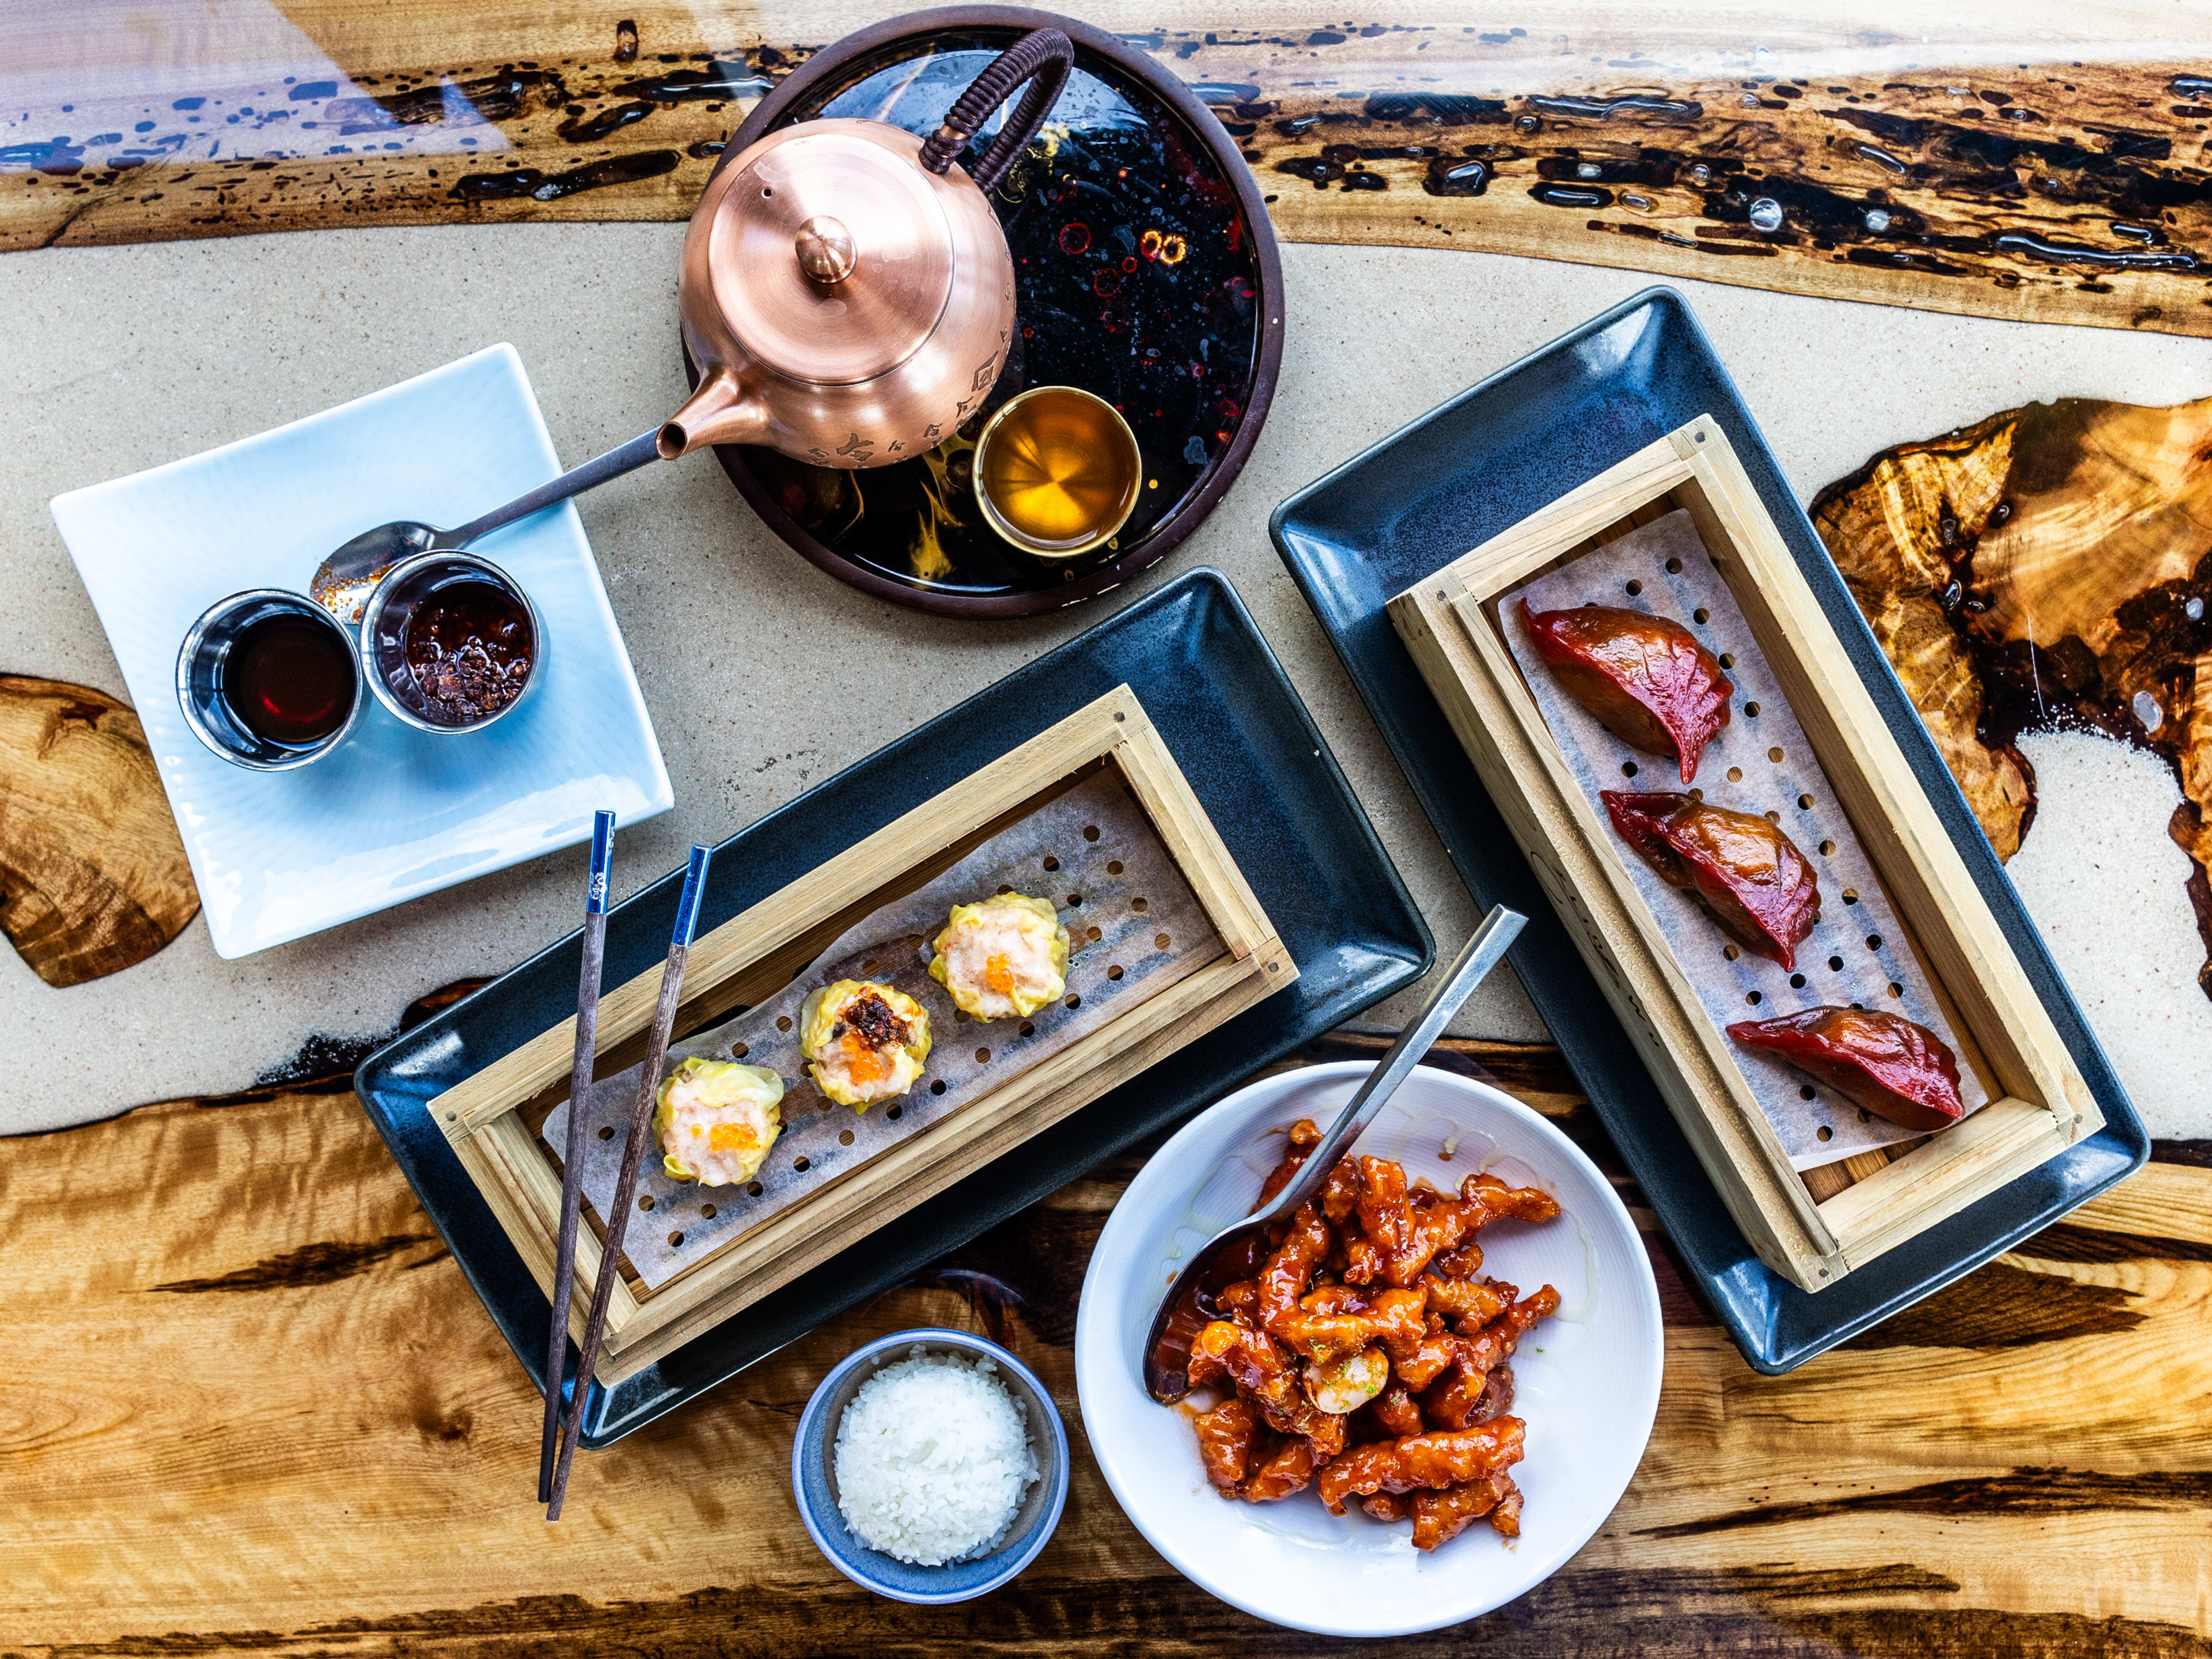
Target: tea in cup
[{"x": 1057, "y": 472}]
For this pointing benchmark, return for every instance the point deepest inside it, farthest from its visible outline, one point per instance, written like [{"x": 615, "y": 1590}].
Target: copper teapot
[
  {"x": 846, "y": 291},
  {"x": 846, "y": 294}
]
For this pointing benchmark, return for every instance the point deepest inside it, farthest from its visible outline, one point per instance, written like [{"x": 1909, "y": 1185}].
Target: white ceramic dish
[
  {"x": 1587, "y": 1379},
  {"x": 392, "y": 813}
]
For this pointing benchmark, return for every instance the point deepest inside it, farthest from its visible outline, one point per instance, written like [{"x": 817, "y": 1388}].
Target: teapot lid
[{"x": 832, "y": 257}]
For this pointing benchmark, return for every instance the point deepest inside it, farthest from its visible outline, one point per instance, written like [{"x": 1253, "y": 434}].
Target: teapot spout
[{"x": 722, "y": 411}]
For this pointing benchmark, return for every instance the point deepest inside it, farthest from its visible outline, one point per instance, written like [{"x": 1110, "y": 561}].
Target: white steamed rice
[{"x": 933, "y": 1459}]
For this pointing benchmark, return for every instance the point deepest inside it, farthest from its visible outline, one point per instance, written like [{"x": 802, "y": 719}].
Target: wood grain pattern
[
  {"x": 2045, "y": 569},
  {"x": 93, "y": 876},
  {"x": 1940, "y": 171},
  {"x": 273, "y": 1309}
]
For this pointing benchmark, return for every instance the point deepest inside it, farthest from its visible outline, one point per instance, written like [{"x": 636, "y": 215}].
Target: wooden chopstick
[
  {"x": 641, "y": 1117},
  {"x": 572, "y": 1179}
]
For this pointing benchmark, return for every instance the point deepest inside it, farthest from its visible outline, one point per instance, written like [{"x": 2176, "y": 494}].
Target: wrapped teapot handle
[{"x": 1044, "y": 59}]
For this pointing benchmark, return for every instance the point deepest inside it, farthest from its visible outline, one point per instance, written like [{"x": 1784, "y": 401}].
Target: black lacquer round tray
[{"x": 1145, "y": 271}]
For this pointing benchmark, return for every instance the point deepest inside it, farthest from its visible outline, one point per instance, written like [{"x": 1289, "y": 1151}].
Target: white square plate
[{"x": 393, "y": 813}]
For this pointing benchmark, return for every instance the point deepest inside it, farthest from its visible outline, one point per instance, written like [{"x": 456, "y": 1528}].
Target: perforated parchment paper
[
  {"x": 1759, "y": 762},
  {"x": 1134, "y": 929}
]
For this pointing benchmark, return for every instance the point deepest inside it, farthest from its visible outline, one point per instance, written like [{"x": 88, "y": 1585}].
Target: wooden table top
[
  {"x": 253, "y": 1408},
  {"x": 249, "y": 1403},
  {"x": 1805, "y": 148}
]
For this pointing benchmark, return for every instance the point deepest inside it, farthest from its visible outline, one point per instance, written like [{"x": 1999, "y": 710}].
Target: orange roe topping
[
  {"x": 862, "y": 1063},
  {"x": 998, "y": 973}
]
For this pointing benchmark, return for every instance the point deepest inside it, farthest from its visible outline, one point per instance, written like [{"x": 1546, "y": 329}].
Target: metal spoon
[
  {"x": 343, "y": 581},
  {"x": 1166, "y": 1376}
]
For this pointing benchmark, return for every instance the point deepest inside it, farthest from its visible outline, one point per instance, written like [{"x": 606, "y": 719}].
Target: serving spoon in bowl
[
  {"x": 1183, "y": 1311},
  {"x": 343, "y": 581}
]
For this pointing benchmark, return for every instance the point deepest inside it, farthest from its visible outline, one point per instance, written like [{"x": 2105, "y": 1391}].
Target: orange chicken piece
[
  {"x": 1435, "y": 1460},
  {"x": 1441, "y": 1516}
]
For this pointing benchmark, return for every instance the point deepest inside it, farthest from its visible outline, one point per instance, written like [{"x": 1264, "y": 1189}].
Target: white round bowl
[
  {"x": 1587, "y": 1380},
  {"x": 814, "y": 1474}
]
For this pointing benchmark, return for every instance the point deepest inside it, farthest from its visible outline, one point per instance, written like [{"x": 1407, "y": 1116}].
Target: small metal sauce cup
[
  {"x": 384, "y": 623},
  {"x": 202, "y": 664}
]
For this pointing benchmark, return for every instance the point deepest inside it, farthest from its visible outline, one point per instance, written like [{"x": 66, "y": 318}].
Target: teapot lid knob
[{"x": 825, "y": 249}]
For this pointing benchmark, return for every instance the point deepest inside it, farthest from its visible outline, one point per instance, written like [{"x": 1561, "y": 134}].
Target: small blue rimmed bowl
[{"x": 813, "y": 1476}]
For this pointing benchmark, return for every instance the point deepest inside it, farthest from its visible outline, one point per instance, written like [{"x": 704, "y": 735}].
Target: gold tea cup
[{"x": 1057, "y": 472}]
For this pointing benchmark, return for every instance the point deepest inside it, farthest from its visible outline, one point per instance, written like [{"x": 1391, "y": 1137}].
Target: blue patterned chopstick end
[
  {"x": 694, "y": 888},
  {"x": 603, "y": 853}
]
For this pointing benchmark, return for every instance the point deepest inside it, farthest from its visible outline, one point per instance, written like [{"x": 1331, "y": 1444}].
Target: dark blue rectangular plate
[
  {"x": 1478, "y": 466},
  {"x": 1275, "y": 793}
]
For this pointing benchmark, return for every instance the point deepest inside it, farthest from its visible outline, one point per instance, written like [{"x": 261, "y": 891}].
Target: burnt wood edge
[
  {"x": 2001, "y": 1306},
  {"x": 320, "y": 1263},
  {"x": 1779, "y": 1610},
  {"x": 1206, "y": 128},
  {"x": 325, "y": 1065},
  {"x": 2027, "y": 1490}
]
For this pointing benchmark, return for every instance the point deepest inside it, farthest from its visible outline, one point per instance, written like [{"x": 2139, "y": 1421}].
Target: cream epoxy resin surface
[{"x": 393, "y": 813}]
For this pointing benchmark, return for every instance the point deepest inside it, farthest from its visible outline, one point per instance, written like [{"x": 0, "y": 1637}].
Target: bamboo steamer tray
[
  {"x": 491, "y": 1118},
  {"x": 1812, "y": 1231}
]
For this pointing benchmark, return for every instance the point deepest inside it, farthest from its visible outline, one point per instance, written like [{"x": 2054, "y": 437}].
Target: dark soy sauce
[{"x": 289, "y": 680}]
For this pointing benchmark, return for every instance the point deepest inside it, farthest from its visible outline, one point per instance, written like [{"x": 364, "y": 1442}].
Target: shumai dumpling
[
  {"x": 716, "y": 1120},
  {"x": 1004, "y": 959},
  {"x": 864, "y": 1041}
]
